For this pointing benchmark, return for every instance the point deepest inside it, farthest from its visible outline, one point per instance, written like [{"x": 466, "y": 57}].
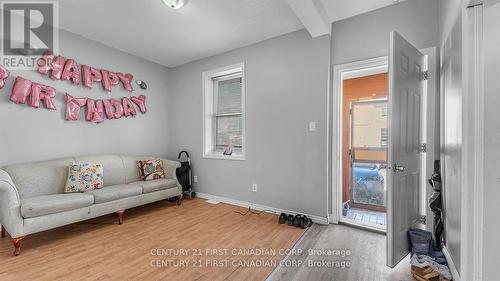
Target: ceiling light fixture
[{"x": 174, "y": 4}]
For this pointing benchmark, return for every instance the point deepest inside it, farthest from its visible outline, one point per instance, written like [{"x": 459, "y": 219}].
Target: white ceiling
[{"x": 202, "y": 28}]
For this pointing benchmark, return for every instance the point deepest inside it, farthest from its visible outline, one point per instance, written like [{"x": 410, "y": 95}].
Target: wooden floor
[
  {"x": 366, "y": 257},
  {"x": 100, "y": 249}
]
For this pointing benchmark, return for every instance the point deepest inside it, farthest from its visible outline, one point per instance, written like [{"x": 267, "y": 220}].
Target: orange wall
[{"x": 362, "y": 88}]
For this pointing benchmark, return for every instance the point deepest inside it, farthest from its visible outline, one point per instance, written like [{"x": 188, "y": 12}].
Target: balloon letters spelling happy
[
  {"x": 71, "y": 72},
  {"x": 90, "y": 75},
  {"x": 49, "y": 62},
  {"x": 109, "y": 79},
  {"x": 4, "y": 73},
  {"x": 62, "y": 69},
  {"x": 126, "y": 80}
]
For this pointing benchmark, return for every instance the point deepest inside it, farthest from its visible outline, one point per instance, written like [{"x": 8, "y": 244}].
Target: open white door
[{"x": 405, "y": 93}]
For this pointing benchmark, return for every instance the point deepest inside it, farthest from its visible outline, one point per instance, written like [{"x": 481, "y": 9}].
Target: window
[{"x": 224, "y": 118}]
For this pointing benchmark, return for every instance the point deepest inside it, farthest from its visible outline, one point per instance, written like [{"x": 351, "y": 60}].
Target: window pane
[
  {"x": 229, "y": 96},
  {"x": 369, "y": 125},
  {"x": 228, "y": 131},
  {"x": 369, "y": 184}
]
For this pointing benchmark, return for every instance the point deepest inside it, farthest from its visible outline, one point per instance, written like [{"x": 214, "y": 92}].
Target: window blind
[
  {"x": 229, "y": 96},
  {"x": 228, "y": 116}
]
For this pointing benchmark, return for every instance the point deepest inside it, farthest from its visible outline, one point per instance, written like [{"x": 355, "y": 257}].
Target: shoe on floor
[
  {"x": 297, "y": 220},
  {"x": 283, "y": 218},
  {"x": 305, "y": 222}
]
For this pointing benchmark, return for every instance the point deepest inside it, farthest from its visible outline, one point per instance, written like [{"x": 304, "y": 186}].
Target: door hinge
[
  {"x": 422, "y": 219},
  {"x": 425, "y": 75},
  {"x": 422, "y": 147}
]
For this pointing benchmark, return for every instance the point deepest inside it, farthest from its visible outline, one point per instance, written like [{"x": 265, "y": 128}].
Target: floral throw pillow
[
  {"x": 151, "y": 169},
  {"x": 83, "y": 177}
]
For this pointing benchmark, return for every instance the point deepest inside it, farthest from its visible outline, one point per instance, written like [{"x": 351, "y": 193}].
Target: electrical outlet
[
  {"x": 195, "y": 178},
  {"x": 312, "y": 126},
  {"x": 254, "y": 187}
]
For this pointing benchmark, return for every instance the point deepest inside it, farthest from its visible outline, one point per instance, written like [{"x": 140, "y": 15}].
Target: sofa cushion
[
  {"x": 56, "y": 203},
  {"x": 115, "y": 192},
  {"x": 151, "y": 169},
  {"x": 84, "y": 177},
  {"x": 156, "y": 185}
]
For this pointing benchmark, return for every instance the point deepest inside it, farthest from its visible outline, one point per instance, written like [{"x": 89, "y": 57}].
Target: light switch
[{"x": 312, "y": 126}]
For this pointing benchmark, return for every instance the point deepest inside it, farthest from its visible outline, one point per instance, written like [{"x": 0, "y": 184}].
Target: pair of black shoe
[{"x": 301, "y": 221}]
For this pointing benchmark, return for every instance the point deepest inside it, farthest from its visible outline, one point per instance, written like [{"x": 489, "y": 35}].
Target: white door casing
[{"x": 405, "y": 93}]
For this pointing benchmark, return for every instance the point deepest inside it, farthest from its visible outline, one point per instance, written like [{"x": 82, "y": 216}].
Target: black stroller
[{"x": 184, "y": 175}]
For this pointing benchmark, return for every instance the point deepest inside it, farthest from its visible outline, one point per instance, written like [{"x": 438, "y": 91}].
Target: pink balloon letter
[
  {"x": 49, "y": 62},
  {"x": 113, "y": 108},
  {"x": 126, "y": 80},
  {"x": 73, "y": 106},
  {"x": 109, "y": 79},
  {"x": 4, "y": 73},
  {"x": 128, "y": 107},
  {"x": 141, "y": 102},
  {"x": 95, "y": 111},
  {"x": 21, "y": 90},
  {"x": 90, "y": 75},
  {"x": 109, "y": 109},
  {"x": 44, "y": 93},
  {"x": 71, "y": 72}
]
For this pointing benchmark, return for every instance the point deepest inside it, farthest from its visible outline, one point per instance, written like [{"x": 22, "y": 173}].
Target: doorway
[
  {"x": 364, "y": 150},
  {"x": 412, "y": 105}
]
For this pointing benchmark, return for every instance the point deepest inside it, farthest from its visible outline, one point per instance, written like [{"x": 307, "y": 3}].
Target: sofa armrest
[
  {"x": 10, "y": 206},
  {"x": 169, "y": 168}
]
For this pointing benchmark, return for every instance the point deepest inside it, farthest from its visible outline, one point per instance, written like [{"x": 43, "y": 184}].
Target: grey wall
[
  {"x": 491, "y": 249},
  {"x": 29, "y": 134},
  {"x": 367, "y": 36},
  {"x": 451, "y": 118},
  {"x": 286, "y": 87}
]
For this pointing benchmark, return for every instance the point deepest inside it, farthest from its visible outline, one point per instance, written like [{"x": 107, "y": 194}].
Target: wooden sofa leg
[
  {"x": 17, "y": 245},
  {"x": 120, "y": 216},
  {"x": 179, "y": 199},
  {"x": 3, "y": 232}
]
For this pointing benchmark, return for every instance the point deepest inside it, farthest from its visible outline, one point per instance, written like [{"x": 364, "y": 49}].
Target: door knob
[{"x": 398, "y": 168}]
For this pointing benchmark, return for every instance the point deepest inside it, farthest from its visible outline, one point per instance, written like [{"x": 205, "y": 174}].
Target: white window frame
[{"x": 209, "y": 111}]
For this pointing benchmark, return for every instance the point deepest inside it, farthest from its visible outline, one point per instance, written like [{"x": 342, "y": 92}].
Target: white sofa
[{"x": 32, "y": 197}]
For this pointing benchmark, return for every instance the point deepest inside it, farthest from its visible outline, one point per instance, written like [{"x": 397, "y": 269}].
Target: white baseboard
[
  {"x": 316, "y": 219},
  {"x": 451, "y": 264}
]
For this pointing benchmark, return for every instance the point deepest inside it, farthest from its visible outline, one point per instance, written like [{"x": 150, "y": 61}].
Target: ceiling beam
[{"x": 313, "y": 16}]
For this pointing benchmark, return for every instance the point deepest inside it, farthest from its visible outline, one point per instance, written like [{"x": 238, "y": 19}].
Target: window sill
[{"x": 237, "y": 157}]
